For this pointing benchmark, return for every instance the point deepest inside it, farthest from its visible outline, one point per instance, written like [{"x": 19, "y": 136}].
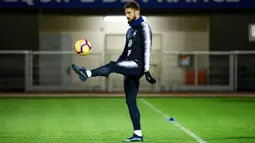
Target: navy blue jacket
[{"x": 138, "y": 44}]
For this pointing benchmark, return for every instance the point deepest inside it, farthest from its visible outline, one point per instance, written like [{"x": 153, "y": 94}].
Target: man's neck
[
  {"x": 137, "y": 17},
  {"x": 136, "y": 22}
]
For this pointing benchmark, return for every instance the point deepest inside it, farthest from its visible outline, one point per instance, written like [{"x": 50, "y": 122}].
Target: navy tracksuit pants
[{"x": 132, "y": 71}]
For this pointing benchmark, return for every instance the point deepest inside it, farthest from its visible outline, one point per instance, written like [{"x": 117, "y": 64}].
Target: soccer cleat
[
  {"x": 81, "y": 72},
  {"x": 134, "y": 138}
]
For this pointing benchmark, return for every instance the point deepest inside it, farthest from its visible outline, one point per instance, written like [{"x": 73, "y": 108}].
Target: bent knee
[{"x": 112, "y": 62}]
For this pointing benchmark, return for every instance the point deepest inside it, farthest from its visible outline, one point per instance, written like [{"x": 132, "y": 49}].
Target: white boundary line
[{"x": 174, "y": 122}]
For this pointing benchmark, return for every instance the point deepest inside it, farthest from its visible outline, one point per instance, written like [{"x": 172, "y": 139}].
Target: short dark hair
[{"x": 133, "y": 5}]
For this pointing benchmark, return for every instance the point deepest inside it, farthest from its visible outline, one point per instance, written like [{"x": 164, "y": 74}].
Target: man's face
[{"x": 130, "y": 14}]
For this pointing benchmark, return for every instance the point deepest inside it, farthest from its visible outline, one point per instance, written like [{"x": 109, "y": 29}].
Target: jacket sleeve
[
  {"x": 123, "y": 55},
  {"x": 146, "y": 36}
]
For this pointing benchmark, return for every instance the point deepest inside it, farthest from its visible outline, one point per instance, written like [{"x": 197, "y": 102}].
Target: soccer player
[{"x": 133, "y": 63}]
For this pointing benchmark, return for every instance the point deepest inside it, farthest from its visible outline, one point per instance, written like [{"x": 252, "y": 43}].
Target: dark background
[{"x": 222, "y": 38}]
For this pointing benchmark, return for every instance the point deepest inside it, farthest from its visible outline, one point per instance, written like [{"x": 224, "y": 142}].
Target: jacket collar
[{"x": 136, "y": 22}]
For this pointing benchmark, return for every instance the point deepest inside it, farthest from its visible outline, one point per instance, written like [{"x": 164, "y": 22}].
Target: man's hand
[{"x": 149, "y": 78}]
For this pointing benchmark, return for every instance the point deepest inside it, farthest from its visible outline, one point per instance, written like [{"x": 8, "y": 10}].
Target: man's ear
[{"x": 137, "y": 12}]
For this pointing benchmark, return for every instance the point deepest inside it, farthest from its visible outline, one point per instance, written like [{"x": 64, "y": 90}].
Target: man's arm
[
  {"x": 147, "y": 39},
  {"x": 123, "y": 55}
]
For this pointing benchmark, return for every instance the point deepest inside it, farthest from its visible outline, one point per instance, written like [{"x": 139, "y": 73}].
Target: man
[{"x": 133, "y": 63}]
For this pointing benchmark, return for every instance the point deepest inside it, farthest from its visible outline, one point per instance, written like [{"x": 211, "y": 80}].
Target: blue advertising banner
[{"x": 173, "y": 4}]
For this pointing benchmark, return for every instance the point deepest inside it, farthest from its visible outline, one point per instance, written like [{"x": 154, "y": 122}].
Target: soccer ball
[{"x": 83, "y": 47}]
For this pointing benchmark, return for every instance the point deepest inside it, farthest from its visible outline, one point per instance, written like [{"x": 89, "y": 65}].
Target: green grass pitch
[{"x": 106, "y": 120}]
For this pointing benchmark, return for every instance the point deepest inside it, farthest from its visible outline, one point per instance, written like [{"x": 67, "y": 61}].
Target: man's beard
[{"x": 132, "y": 20}]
